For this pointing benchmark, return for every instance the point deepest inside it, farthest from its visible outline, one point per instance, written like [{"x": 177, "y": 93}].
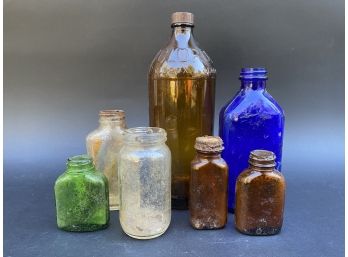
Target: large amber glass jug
[{"x": 181, "y": 100}]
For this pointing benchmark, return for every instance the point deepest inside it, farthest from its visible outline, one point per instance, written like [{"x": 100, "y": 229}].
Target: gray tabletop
[{"x": 313, "y": 225}]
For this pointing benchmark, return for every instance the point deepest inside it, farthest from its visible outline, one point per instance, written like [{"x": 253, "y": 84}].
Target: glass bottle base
[
  {"x": 83, "y": 227},
  {"x": 145, "y": 237},
  {"x": 261, "y": 231},
  {"x": 207, "y": 226}
]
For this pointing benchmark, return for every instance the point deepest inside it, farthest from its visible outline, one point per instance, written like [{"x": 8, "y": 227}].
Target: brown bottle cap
[
  {"x": 182, "y": 17},
  {"x": 209, "y": 144},
  {"x": 262, "y": 158}
]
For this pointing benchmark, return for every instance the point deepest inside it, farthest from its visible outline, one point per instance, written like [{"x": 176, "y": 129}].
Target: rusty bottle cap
[
  {"x": 209, "y": 144},
  {"x": 182, "y": 18},
  {"x": 262, "y": 158}
]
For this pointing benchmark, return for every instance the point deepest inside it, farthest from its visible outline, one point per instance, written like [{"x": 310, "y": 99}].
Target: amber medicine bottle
[
  {"x": 260, "y": 193},
  {"x": 208, "y": 185}
]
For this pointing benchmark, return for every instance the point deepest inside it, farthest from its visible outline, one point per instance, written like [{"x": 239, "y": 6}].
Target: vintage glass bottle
[
  {"x": 103, "y": 145},
  {"x": 144, "y": 170},
  {"x": 82, "y": 197},
  {"x": 260, "y": 195},
  {"x": 251, "y": 120},
  {"x": 181, "y": 84},
  {"x": 208, "y": 185}
]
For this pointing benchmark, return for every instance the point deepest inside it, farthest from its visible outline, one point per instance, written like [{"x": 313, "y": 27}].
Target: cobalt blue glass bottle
[{"x": 251, "y": 120}]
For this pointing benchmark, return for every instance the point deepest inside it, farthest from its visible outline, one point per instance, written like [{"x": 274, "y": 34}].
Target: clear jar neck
[
  {"x": 145, "y": 136},
  {"x": 80, "y": 163},
  {"x": 182, "y": 35}
]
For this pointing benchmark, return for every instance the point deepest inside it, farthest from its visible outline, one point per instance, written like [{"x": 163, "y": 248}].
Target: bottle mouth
[
  {"x": 113, "y": 115},
  {"x": 80, "y": 161},
  {"x": 145, "y": 135},
  {"x": 262, "y": 159},
  {"x": 253, "y": 73},
  {"x": 209, "y": 144}
]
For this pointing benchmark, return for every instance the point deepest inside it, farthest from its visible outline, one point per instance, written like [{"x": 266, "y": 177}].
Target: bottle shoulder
[
  {"x": 98, "y": 134},
  {"x": 62, "y": 178},
  {"x": 199, "y": 163},
  {"x": 67, "y": 178},
  {"x": 105, "y": 133},
  {"x": 246, "y": 104},
  {"x": 173, "y": 62},
  {"x": 274, "y": 102},
  {"x": 250, "y": 176}
]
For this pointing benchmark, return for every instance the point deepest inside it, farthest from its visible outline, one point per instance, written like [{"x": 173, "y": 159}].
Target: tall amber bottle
[
  {"x": 208, "y": 185},
  {"x": 181, "y": 100},
  {"x": 260, "y": 195}
]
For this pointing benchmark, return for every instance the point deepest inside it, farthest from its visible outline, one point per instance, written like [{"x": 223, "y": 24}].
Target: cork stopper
[
  {"x": 114, "y": 114},
  {"x": 262, "y": 158},
  {"x": 209, "y": 144},
  {"x": 182, "y": 18}
]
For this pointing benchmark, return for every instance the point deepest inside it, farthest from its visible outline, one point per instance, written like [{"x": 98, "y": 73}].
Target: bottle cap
[
  {"x": 209, "y": 144},
  {"x": 262, "y": 158},
  {"x": 182, "y": 17}
]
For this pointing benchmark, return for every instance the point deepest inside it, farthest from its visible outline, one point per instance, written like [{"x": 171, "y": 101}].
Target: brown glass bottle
[
  {"x": 260, "y": 195},
  {"x": 181, "y": 100},
  {"x": 208, "y": 185}
]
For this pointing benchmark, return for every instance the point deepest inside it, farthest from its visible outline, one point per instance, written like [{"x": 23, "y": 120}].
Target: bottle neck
[
  {"x": 261, "y": 169},
  {"x": 205, "y": 155},
  {"x": 145, "y": 136},
  {"x": 182, "y": 36},
  {"x": 262, "y": 160},
  {"x": 253, "y": 84},
  {"x": 108, "y": 122},
  {"x": 80, "y": 163}
]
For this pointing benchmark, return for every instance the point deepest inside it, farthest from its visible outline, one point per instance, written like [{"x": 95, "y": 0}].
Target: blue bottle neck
[{"x": 253, "y": 84}]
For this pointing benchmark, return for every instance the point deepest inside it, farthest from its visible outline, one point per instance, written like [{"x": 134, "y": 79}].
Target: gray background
[{"x": 65, "y": 60}]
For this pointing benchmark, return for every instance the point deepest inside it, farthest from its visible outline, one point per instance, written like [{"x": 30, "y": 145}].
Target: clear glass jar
[
  {"x": 103, "y": 145},
  {"x": 82, "y": 197},
  {"x": 181, "y": 84},
  {"x": 145, "y": 190}
]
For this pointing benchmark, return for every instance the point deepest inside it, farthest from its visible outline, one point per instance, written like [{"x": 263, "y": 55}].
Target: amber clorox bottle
[
  {"x": 208, "y": 185},
  {"x": 181, "y": 99},
  {"x": 260, "y": 193}
]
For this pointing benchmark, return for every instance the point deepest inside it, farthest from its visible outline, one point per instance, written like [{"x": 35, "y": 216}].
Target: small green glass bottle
[{"x": 82, "y": 197}]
